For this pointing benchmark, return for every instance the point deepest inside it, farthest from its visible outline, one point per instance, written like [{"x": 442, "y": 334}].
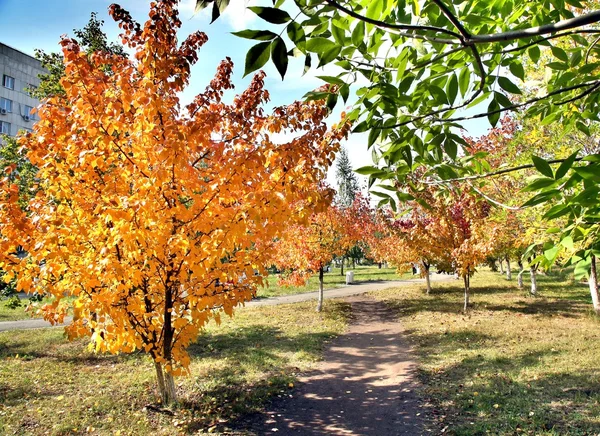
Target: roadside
[{"x": 345, "y": 291}]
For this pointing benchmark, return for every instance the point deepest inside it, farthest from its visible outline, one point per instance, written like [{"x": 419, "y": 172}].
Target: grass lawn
[
  {"x": 333, "y": 279},
  {"x": 51, "y": 386},
  {"x": 514, "y": 364},
  {"x": 23, "y": 312}
]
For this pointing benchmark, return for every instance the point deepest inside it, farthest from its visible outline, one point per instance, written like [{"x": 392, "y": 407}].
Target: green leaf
[
  {"x": 279, "y": 56},
  {"x": 361, "y": 127},
  {"x": 464, "y": 80},
  {"x": 271, "y": 15},
  {"x": 567, "y": 242},
  {"x": 557, "y": 211},
  {"x": 345, "y": 92},
  {"x": 201, "y": 4},
  {"x": 542, "y": 197},
  {"x": 589, "y": 173},
  {"x": 260, "y": 35},
  {"x": 331, "y": 101},
  {"x": 373, "y": 135},
  {"x": 320, "y": 45},
  {"x": 534, "y": 53},
  {"x": 508, "y": 86},
  {"x": 550, "y": 118},
  {"x": 560, "y": 66},
  {"x": 552, "y": 252},
  {"x": 374, "y": 9},
  {"x": 452, "y": 88},
  {"x": 332, "y": 79},
  {"x": 256, "y": 57},
  {"x": 365, "y": 171},
  {"x": 358, "y": 34},
  {"x": 307, "y": 63},
  {"x": 493, "y": 115},
  {"x": 559, "y": 53},
  {"x": 338, "y": 34},
  {"x": 517, "y": 70},
  {"x": 540, "y": 183},
  {"x": 565, "y": 166},
  {"x": 542, "y": 166},
  {"x": 219, "y": 7},
  {"x": 296, "y": 34}
]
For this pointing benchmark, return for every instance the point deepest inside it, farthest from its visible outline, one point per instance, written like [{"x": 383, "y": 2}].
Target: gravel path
[{"x": 364, "y": 385}]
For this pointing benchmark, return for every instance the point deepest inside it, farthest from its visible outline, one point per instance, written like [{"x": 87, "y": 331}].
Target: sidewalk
[{"x": 346, "y": 291}]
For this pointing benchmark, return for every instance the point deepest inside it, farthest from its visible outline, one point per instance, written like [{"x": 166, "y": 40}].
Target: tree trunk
[
  {"x": 166, "y": 385},
  {"x": 427, "y": 278},
  {"x": 501, "y": 262},
  {"x": 342, "y": 270},
  {"x": 353, "y": 263},
  {"x": 593, "y": 282},
  {"x": 320, "y": 298},
  {"x": 379, "y": 264},
  {"x": 520, "y": 275},
  {"x": 508, "y": 271},
  {"x": 532, "y": 270},
  {"x": 466, "y": 280}
]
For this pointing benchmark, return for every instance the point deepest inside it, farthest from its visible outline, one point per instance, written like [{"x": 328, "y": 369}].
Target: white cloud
[{"x": 236, "y": 15}]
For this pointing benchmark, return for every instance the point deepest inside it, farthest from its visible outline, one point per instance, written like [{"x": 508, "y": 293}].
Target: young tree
[
  {"x": 306, "y": 249},
  {"x": 149, "y": 212}
]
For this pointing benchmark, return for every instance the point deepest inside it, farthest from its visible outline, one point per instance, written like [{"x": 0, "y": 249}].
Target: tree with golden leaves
[
  {"x": 305, "y": 249},
  {"x": 149, "y": 212}
]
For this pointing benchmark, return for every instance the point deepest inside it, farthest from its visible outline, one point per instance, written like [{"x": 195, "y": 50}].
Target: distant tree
[
  {"x": 91, "y": 39},
  {"x": 306, "y": 249},
  {"x": 346, "y": 179}
]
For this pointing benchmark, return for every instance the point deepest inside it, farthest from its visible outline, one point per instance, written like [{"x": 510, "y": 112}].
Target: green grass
[
  {"x": 331, "y": 280},
  {"x": 514, "y": 364},
  {"x": 26, "y": 310},
  {"x": 51, "y": 386}
]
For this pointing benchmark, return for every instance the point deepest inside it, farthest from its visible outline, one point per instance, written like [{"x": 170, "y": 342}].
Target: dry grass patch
[
  {"x": 514, "y": 364},
  {"x": 51, "y": 386}
]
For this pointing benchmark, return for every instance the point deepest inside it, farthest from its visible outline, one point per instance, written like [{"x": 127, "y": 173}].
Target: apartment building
[{"x": 19, "y": 73}]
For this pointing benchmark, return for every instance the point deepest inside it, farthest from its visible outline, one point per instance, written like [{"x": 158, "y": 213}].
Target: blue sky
[{"x": 31, "y": 24}]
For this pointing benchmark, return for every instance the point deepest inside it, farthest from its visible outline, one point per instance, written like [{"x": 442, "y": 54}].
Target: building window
[
  {"x": 27, "y": 111},
  {"x": 8, "y": 82},
  {"x": 6, "y": 104},
  {"x": 4, "y": 128},
  {"x": 30, "y": 89}
]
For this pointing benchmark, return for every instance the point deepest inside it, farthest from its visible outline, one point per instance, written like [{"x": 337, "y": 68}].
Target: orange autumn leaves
[{"x": 152, "y": 214}]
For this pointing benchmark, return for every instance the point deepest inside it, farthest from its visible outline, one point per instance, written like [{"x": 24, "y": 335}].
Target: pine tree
[{"x": 346, "y": 179}]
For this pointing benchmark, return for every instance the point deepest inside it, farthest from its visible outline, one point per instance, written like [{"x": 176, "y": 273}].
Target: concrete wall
[{"x": 24, "y": 69}]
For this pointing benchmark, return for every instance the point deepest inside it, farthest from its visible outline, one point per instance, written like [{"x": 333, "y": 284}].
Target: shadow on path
[{"x": 364, "y": 386}]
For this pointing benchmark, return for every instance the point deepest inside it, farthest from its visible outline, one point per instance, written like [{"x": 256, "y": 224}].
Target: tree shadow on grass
[
  {"x": 479, "y": 394},
  {"x": 225, "y": 394}
]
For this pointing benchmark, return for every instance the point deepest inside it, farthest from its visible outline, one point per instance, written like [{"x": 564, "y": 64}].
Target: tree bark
[
  {"x": 501, "y": 262},
  {"x": 593, "y": 282},
  {"x": 532, "y": 270},
  {"x": 379, "y": 264},
  {"x": 166, "y": 385},
  {"x": 320, "y": 298},
  {"x": 520, "y": 275},
  {"x": 426, "y": 267},
  {"x": 342, "y": 270},
  {"x": 508, "y": 271},
  {"x": 466, "y": 280}
]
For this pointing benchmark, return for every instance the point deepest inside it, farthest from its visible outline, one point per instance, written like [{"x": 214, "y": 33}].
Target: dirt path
[{"x": 364, "y": 385}]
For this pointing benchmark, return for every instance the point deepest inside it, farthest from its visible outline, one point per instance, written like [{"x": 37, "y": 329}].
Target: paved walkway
[{"x": 346, "y": 291}]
